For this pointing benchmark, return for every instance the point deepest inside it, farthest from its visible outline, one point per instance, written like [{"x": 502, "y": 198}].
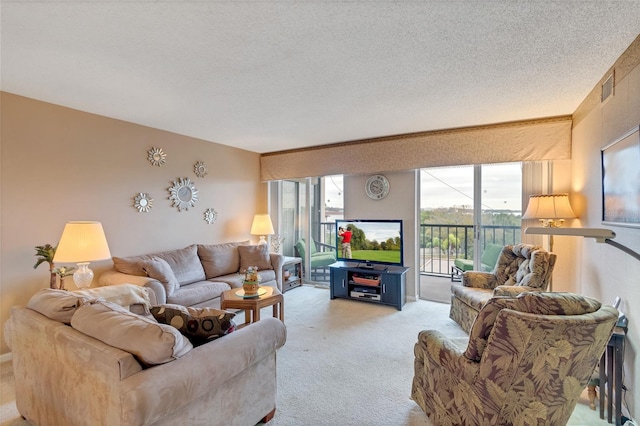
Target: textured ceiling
[{"x": 275, "y": 75}]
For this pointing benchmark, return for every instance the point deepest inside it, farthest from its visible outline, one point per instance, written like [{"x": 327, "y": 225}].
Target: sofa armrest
[
  {"x": 277, "y": 260},
  {"x": 478, "y": 279},
  {"x": 158, "y": 294},
  {"x": 203, "y": 368},
  {"x": 513, "y": 290}
]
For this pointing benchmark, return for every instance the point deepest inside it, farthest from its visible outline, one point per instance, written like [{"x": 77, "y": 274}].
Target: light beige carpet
[{"x": 344, "y": 363}]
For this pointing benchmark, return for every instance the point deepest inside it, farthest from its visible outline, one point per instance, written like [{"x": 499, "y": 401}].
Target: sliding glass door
[
  {"x": 306, "y": 222},
  {"x": 466, "y": 210}
]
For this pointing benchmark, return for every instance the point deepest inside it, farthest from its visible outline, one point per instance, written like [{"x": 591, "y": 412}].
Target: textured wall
[
  {"x": 603, "y": 271},
  {"x": 60, "y": 164}
]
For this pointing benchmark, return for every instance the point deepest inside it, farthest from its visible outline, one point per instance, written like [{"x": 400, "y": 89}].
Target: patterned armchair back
[
  {"x": 525, "y": 265},
  {"x": 543, "y": 368},
  {"x": 529, "y": 359}
]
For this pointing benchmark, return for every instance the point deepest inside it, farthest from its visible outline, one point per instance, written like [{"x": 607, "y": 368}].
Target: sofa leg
[{"x": 269, "y": 416}]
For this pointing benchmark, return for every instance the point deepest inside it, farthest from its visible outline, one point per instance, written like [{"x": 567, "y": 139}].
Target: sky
[{"x": 453, "y": 186}]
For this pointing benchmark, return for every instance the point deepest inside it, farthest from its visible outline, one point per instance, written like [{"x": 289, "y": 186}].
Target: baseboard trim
[{"x": 6, "y": 357}]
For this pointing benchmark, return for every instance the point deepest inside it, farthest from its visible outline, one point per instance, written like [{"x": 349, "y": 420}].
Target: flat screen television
[{"x": 372, "y": 242}]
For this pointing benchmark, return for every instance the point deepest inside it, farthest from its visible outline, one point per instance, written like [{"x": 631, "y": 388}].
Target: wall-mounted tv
[
  {"x": 621, "y": 180},
  {"x": 372, "y": 241}
]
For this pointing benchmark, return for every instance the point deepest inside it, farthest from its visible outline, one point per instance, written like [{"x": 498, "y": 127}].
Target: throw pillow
[
  {"x": 58, "y": 305},
  {"x": 220, "y": 259},
  {"x": 200, "y": 325},
  {"x": 150, "y": 342},
  {"x": 184, "y": 262},
  {"x": 159, "y": 269},
  {"x": 257, "y": 256}
]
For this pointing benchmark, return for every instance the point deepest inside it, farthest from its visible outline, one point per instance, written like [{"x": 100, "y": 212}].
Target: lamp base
[
  {"x": 83, "y": 276},
  {"x": 552, "y": 223},
  {"x": 262, "y": 240}
]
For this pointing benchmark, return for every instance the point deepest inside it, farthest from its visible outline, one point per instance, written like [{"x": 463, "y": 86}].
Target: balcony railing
[{"x": 440, "y": 245}]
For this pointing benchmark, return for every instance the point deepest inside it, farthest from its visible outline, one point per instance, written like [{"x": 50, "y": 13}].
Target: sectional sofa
[
  {"x": 82, "y": 360},
  {"x": 195, "y": 275}
]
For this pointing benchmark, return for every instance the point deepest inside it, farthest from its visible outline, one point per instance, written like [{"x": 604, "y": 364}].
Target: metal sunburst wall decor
[
  {"x": 156, "y": 156},
  {"x": 183, "y": 194},
  {"x": 200, "y": 169},
  {"x": 143, "y": 202},
  {"x": 210, "y": 216}
]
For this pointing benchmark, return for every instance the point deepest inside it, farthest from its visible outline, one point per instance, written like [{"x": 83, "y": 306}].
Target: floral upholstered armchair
[
  {"x": 528, "y": 360},
  {"x": 520, "y": 268}
]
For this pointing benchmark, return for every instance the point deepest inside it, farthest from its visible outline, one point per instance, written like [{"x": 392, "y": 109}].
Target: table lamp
[
  {"x": 262, "y": 226},
  {"x": 82, "y": 242},
  {"x": 550, "y": 209}
]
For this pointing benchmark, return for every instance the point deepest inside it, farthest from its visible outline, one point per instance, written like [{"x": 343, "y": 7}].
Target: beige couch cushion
[
  {"x": 150, "y": 342},
  {"x": 59, "y": 305},
  {"x": 197, "y": 293},
  {"x": 257, "y": 255},
  {"x": 159, "y": 269},
  {"x": 184, "y": 262},
  {"x": 267, "y": 277},
  {"x": 220, "y": 259}
]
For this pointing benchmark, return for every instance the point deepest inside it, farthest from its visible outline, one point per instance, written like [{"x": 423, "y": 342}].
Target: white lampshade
[
  {"x": 262, "y": 226},
  {"x": 81, "y": 243},
  {"x": 549, "y": 207}
]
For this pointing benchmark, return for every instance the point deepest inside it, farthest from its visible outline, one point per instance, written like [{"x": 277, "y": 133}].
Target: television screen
[{"x": 370, "y": 241}]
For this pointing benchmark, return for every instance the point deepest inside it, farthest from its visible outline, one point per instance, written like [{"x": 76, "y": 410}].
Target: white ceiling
[{"x": 274, "y": 75}]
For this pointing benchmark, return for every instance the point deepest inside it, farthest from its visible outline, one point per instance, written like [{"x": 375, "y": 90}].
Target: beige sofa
[
  {"x": 195, "y": 275},
  {"x": 76, "y": 375}
]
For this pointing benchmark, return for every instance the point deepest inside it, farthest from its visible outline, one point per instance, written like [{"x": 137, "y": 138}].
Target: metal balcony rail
[{"x": 440, "y": 245}]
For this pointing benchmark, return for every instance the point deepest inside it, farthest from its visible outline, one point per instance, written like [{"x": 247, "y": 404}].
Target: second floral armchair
[{"x": 520, "y": 268}]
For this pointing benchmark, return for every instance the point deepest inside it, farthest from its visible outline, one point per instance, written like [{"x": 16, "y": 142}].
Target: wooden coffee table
[{"x": 251, "y": 306}]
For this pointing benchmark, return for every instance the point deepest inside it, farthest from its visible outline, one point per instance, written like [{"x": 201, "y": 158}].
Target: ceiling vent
[{"x": 607, "y": 88}]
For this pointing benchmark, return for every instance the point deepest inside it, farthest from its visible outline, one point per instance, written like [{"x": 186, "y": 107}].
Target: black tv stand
[{"x": 383, "y": 284}]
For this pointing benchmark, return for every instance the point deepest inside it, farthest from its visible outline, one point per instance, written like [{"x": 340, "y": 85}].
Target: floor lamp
[{"x": 601, "y": 235}]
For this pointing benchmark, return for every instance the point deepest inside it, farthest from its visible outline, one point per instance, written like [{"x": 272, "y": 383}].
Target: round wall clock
[{"x": 377, "y": 187}]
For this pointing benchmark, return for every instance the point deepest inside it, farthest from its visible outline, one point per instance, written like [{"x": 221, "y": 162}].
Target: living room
[{"x": 61, "y": 164}]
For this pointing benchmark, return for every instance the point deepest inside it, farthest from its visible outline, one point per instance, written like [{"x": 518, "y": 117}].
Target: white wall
[{"x": 401, "y": 203}]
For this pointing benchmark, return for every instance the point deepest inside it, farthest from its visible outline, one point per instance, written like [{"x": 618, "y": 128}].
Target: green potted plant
[{"x": 45, "y": 253}]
